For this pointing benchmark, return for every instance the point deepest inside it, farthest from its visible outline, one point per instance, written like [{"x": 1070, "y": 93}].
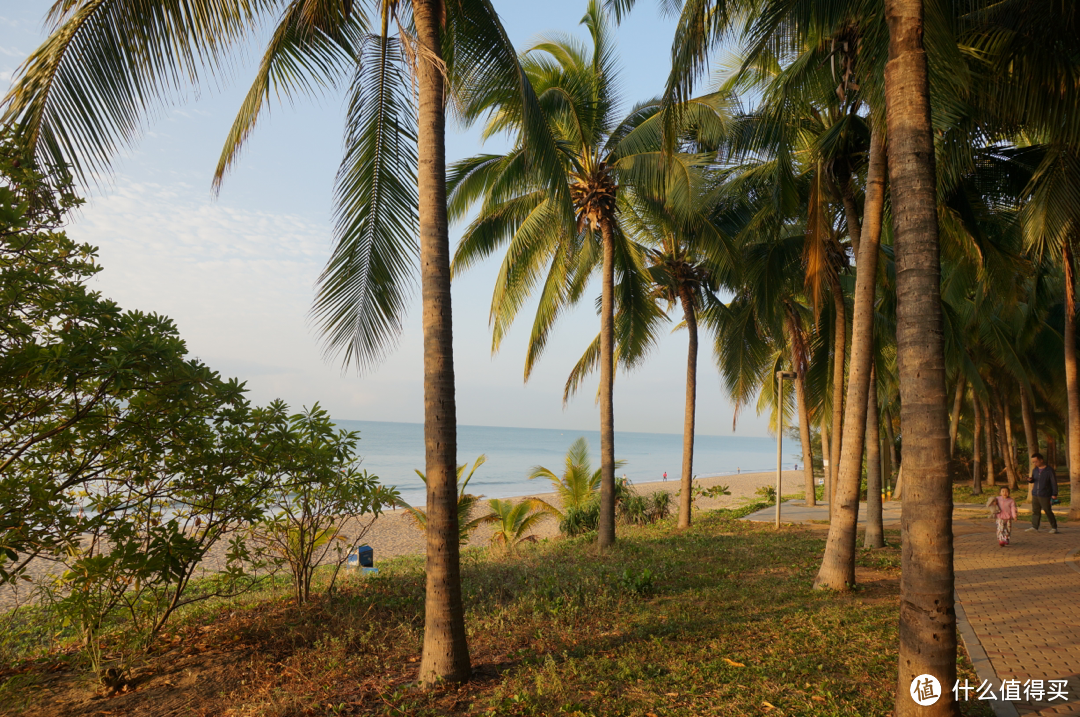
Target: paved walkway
[
  {"x": 1023, "y": 604},
  {"x": 1018, "y": 607}
]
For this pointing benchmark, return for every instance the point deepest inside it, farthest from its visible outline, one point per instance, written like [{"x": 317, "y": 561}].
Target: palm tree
[
  {"x": 685, "y": 256},
  {"x": 578, "y": 483},
  {"x": 466, "y": 502},
  {"x": 927, "y": 620},
  {"x": 513, "y": 520},
  {"x": 838, "y": 564},
  {"x": 573, "y": 227},
  {"x": 106, "y": 65}
]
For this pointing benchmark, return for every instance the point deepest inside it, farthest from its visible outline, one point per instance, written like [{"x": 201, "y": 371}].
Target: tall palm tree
[
  {"x": 107, "y": 64},
  {"x": 927, "y": 618},
  {"x": 684, "y": 258},
  {"x": 573, "y": 229}
]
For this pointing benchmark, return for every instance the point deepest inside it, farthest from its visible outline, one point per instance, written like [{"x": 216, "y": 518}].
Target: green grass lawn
[{"x": 717, "y": 620}]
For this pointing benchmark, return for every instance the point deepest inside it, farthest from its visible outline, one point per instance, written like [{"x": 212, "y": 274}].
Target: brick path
[{"x": 1023, "y": 603}]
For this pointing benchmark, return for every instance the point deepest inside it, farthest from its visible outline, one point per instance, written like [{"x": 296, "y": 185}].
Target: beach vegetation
[
  {"x": 466, "y": 503},
  {"x": 124, "y": 463},
  {"x": 318, "y": 504},
  {"x": 659, "y": 623},
  {"x": 578, "y": 484},
  {"x": 513, "y": 521}
]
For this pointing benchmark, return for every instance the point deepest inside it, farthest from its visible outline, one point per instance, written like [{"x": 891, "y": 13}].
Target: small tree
[
  {"x": 578, "y": 484},
  {"x": 465, "y": 504},
  {"x": 512, "y": 521},
  {"x": 320, "y": 505}
]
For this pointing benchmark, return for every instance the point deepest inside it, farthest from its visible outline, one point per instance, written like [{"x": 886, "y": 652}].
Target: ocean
[{"x": 394, "y": 451}]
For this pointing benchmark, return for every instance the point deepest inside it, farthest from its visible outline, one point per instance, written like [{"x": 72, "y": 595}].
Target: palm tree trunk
[
  {"x": 875, "y": 529},
  {"x": 1008, "y": 455},
  {"x": 804, "y": 419},
  {"x": 804, "y": 437},
  {"x": 976, "y": 464},
  {"x": 838, "y": 564},
  {"x": 886, "y": 460},
  {"x": 894, "y": 458},
  {"x": 988, "y": 421},
  {"x": 839, "y": 355},
  {"x": 954, "y": 420},
  {"x": 826, "y": 463},
  {"x": 606, "y": 537},
  {"x": 446, "y": 651},
  {"x": 1072, "y": 384},
  {"x": 927, "y": 615},
  {"x": 1031, "y": 436},
  {"x": 686, "y": 485}
]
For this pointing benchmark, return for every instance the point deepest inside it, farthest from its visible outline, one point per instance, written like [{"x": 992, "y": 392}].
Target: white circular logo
[{"x": 925, "y": 690}]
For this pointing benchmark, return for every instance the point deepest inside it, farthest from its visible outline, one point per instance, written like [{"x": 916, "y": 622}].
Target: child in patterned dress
[{"x": 1003, "y": 508}]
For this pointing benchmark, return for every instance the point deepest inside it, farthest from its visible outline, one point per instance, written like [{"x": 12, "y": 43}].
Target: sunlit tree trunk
[
  {"x": 886, "y": 459},
  {"x": 1072, "y": 384},
  {"x": 927, "y": 614},
  {"x": 686, "y": 484},
  {"x": 875, "y": 530},
  {"x": 446, "y": 651},
  {"x": 839, "y": 356},
  {"x": 606, "y": 537},
  {"x": 954, "y": 420},
  {"x": 838, "y": 563},
  {"x": 894, "y": 457},
  {"x": 826, "y": 461},
  {"x": 795, "y": 339}
]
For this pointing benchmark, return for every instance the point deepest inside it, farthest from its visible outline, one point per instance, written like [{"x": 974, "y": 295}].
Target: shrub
[
  {"x": 466, "y": 503},
  {"x": 319, "y": 504}
]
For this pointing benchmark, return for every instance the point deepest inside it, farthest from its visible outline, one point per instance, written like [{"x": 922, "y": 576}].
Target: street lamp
[{"x": 780, "y": 376}]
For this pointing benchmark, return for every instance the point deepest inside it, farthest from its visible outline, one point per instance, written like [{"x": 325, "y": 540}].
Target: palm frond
[{"x": 365, "y": 287}]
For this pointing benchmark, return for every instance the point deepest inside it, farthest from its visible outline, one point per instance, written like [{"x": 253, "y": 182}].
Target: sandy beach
[{"x": 393, "y": 533}]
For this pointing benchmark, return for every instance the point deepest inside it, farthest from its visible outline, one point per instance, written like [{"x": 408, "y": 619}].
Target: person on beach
[
  {"x": 1043, "y": 491},
  {"x": 665, "y": 475},
  {"x": 1003, "y": 508}
]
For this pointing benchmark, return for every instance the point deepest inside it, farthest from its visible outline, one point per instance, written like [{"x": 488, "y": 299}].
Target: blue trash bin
[{"x": 364, "y": 557}]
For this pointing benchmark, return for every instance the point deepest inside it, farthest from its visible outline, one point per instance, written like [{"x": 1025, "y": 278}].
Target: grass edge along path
[{"x": 720, "y": 619}]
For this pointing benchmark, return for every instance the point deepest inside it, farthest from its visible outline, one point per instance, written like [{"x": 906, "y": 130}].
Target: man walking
[{"x": 1043, "y": 491}]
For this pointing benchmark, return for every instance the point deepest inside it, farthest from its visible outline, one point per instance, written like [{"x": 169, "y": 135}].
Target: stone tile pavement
[
  {"x": 1018, "y": 607},
  {"x": 1023, "y": 604}
]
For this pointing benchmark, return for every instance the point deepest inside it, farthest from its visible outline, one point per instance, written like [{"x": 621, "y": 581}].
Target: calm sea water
[{"x": 393, "y": 451}]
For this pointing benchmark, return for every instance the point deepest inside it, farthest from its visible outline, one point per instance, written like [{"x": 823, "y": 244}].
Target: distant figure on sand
[
  {"x": 665, "y": 475},
  {"x": 1003, "y": 508},
  {"x": 1043, "y": 491}
]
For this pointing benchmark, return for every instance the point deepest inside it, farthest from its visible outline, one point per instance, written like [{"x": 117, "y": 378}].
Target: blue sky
[{"x": 237, "y": 272}]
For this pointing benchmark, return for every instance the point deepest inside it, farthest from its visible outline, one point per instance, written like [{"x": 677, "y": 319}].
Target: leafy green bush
[
  {"x": 581, "y": 519},
  {"x": 319, "y": 504},
  {"x": 767, "y": 492},
  {"x": 643, "y": 583}
]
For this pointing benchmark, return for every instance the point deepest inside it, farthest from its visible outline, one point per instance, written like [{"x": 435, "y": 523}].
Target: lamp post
[{"x": 780, "y": 376}]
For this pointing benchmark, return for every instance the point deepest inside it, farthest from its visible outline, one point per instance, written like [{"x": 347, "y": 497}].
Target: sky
[{"x": 237, "y": 271}]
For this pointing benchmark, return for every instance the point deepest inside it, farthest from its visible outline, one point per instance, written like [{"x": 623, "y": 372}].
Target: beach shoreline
[{"x": 394, "y": 534}]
